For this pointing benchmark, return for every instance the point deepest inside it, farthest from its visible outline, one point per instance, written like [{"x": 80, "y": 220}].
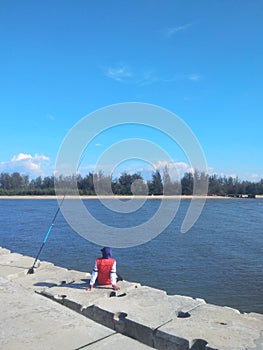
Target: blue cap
[{"x": 106, "y": 252}]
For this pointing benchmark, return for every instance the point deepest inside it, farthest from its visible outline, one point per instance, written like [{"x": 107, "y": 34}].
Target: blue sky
[{"x": 62, "y": 60}]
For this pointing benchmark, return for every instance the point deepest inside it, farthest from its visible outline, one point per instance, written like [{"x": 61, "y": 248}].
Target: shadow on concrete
[
  {"x": 15, "y": 266},
  {"x": 72, "y": 284}
]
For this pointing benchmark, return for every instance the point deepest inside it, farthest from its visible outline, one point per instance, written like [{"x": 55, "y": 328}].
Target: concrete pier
[{"x": 51, "y": 309}]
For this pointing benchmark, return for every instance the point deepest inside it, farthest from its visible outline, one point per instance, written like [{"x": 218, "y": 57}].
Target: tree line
[{"x": 128, "y": 184}]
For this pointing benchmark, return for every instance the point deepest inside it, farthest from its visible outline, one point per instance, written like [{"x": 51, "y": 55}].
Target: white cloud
[
  {"x": 176, "y": 169},
  {"x": 119, "y": 74},
  {"x": 21, "y": 156},
  {"x": 170, "y": 31},
  {"x": 255, "y": 177},
  {"x": 227, "y": 175},
  {"x": 26, "y": 164},
  {"x": 146, "y": 76}
]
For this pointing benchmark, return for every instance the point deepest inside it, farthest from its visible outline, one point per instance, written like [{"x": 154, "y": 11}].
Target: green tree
[
  {"x": 138, "y": 186},
  {"x": 125, "y": 182},
  {"x": 86, "y": 185},
  {"x": 16, "y": 181},
  {"x": 102, "y": 183},
  {"x": 25, "y": 182},
  {"x": 5, "y": 181},
  {"x": 48, "y": 182},
  {"x": 259, "y": 187},
  {"x": 170, "y": 187},
  {"x": 36, "y": 183},
  {"x": 156, "y": 185},
  {"x": 201, "y": 182},
  {"x": 187, "y": 183},
  {"x": 251, "y": 188}
]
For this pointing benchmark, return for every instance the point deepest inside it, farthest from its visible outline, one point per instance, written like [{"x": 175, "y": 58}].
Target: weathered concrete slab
[
  {"x": 46, "y": 275},
  {"x": 117, "y": 342},
  {"x": 30, "y": 321},
  {"x": 52, "y": 276},
  {"x": 4, "y": 251},
  {"x": 140, "y": 312},
  {"x": 148, "y": 306},
  {"x": 164, "y": 322},
  {"x": 75, "y": 295},
  {"x": 146, "y": 314},
  {"x": 15, "y": 265},
  {"x": 13, "y": 257},
  {"x": 134, "y": 310},
  {"x": 212, "y": 327}
]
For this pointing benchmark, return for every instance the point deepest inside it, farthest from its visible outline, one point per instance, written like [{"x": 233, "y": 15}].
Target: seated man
[{"x": 104, "y": 270}]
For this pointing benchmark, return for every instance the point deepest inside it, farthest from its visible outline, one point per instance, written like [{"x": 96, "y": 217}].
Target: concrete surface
[
  {"x": 62, "y": 313},
  {"x": 31, "y": 321}
]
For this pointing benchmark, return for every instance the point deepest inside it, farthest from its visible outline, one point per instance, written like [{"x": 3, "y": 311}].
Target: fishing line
[{"x": 31, "y": 269}]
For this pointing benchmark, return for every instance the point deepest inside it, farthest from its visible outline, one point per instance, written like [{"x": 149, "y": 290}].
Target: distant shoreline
[{"x": 120, "y": 197}]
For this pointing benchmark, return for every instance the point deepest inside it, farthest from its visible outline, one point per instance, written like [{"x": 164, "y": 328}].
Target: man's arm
[
  {"x": 94, "y": 276},
  {"x": 113, "y": 277}
]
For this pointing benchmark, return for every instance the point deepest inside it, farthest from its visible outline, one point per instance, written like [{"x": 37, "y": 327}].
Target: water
[{"x": 219, "y": 259}]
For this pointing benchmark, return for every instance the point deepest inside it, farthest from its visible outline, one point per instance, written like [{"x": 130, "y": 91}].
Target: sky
[{"x": 62, "y": 60}]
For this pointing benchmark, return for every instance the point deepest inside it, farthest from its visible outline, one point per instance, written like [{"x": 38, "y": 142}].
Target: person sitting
[{"x": 104, "y": 270}]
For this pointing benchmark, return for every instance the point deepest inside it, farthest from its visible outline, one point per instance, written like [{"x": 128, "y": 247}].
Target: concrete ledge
[
  {"x": 29, "y": 321},
  {"x": 214, "y": 327},
  {"x": 52, "y": 276},
  {"x": 4, "y": 251},
  {"x": 137, "y": 313},
  {"x": 15, "y": 265}
]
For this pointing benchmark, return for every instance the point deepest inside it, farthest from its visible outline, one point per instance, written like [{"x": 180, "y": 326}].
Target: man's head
[{"x": 106, "y": 252}]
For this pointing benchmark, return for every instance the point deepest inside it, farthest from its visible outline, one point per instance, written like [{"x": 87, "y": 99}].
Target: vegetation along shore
[{"x": 16, "y": 184}]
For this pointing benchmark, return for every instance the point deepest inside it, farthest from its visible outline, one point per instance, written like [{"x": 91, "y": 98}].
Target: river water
[{"x": 220, "y": 259}]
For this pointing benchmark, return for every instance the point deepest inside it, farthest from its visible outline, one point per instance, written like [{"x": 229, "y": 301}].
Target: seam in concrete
[
  {"x": 123, "y": 326},
  {"x": 120, "y": 324},
  {"x": 134, "y": 330},
  {"x": 95, "y": 341}
]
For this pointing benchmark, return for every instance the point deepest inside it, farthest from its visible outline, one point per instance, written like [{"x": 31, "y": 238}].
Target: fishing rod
[{"x": 31, "y": 270}]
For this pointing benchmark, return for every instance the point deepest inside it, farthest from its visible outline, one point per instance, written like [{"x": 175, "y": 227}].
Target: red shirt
[{"x": 105, "y": 271}]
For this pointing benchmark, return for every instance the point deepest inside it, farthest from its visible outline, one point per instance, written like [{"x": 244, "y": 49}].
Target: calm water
[{"x": 220, "y": 259}]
